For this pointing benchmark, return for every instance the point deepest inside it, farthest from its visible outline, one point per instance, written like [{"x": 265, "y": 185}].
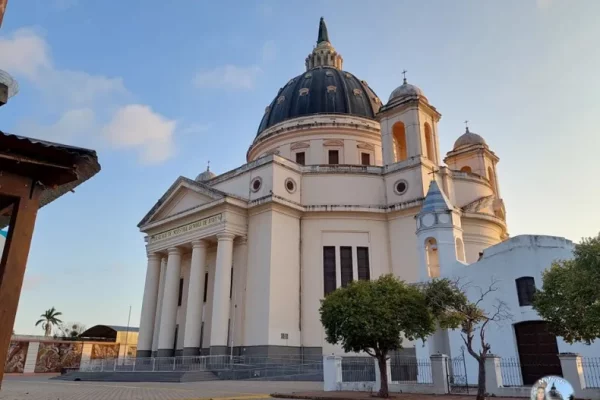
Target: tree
[
  {"x": 373, "y": 316},
  {"x": 451, "y": 306},
  {"x": 568, "y": 299},
  {"x": 48, "y": 319},
  {"x": 70, "y": 331}
]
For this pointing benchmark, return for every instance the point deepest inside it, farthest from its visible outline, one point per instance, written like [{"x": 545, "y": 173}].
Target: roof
[
  {"x": 57, "y": 167},
  {"x": 121, "y": 328},
  {"x": 106, "y": 331},
  {"x": 321, "y": 90},
  {"x": 435, "y": 200}
]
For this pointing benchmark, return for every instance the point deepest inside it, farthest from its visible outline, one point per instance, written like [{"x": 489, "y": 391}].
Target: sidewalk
[{"x": 370, "y": 396}]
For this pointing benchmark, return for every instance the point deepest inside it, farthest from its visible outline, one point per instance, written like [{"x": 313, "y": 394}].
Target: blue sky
[{"x": 158, "y": 88}]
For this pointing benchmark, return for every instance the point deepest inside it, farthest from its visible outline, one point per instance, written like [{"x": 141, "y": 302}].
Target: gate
[{"x": 457, "y": 374}]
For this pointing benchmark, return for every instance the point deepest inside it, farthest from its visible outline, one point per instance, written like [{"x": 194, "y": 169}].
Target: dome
[
  {"x": 206, "y": 175},
  {"x": 321, "y": 90},
  {"x": 469, "y": 139},
  {"x": 406, "y": 90}
]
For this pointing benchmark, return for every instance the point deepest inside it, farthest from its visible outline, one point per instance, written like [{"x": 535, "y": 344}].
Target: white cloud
[
  {"x": 137, "y": 126},
  {"x": 78, "y": 88},
  {"x": 228, "y": 76},
  {"x": 24, "y": 53},
  {"x": 73, "y": 126},
  {"x": 269, "y": 51}
]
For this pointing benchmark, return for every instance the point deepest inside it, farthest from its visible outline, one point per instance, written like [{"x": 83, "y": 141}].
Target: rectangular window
[
  {"x": 205, "y": 286},
  {"x": 365, "y": 158},
  {"x": 334, "y": 157},
  {"x": 300, "y": 158},
  {"x": 525, "y": 290},
  {"x": 346, "y": 265},
  {"x": 180, "y": 299},
  {"x": 362, "y": 255},
  {"x": 329, "y": 269},
  {"x": 231, "y": 283}
]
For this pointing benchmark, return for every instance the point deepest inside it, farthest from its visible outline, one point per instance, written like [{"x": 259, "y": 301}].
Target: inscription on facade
[{"x": 203, "y": 223}]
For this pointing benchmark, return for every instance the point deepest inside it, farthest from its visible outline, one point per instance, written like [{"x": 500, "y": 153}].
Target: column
[
  {"x": 493, "y": 374},
  {"x": 161, "y": 290},
  {"x": 168, "y": 318},
  {"x": 332, "y": 373},
  {"x": 238, "y": 300},
  {"x": 149, "y": 306},
  {"x": 572, "y": 370},
  {"x": 220, "y": 311},
  {"x": 193, "y": 313}
]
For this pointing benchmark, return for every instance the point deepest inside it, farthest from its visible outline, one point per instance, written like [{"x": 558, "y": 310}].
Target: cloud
[
  {"x": 227, "y": 76},
  {"x": 85, "y": 103},
  {"x": 137, "y": 126},
  {"x": 73, "y": 126},
  {"x": 269, "y": 51},
  {"x": 24, "y": 53}
]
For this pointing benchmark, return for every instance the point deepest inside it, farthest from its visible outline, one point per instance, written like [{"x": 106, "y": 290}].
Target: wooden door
[{"x": 538, "y": 351}]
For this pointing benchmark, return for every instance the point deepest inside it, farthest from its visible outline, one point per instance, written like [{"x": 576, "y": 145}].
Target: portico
[{"x": 187, "y": 300}]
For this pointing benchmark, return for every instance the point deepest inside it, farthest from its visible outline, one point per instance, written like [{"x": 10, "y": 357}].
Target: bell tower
[{"x": 409, "y": 126}]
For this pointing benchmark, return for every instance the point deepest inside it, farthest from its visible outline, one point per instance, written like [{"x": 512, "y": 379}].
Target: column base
[
  {"x": 219, "y": 350},
  {"x": 191, "y": 351},
  {"x": 165, "y": 353},
  {"x": 143, "y": 353}
]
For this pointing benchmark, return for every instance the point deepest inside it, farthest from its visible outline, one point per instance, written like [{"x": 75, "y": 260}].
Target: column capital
[
  {"x": 241, "y": 240},
  {"x": 174, "y": 251},
  {"x": 199, "y": 243},
  {"x": 225, "y": 236},
  {"x": 154, "y": 257}
]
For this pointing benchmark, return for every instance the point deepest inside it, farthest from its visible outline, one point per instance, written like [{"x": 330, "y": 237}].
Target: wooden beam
[{"x": 16, "y": 251}]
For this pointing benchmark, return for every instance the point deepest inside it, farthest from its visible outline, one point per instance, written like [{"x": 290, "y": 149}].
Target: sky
[{"x": 160, "y": 88}]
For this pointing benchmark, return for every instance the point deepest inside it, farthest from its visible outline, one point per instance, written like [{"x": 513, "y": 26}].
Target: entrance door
[{"x": 538, "y": 351}]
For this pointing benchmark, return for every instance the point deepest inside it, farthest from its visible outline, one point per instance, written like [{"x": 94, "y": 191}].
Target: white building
[{"x": 333, "y": 183}]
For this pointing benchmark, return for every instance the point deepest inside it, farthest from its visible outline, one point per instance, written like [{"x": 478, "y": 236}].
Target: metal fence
[
  {"x": 411, "y": 370},
  {"x": 224, "y": 367},
  {"x": 358, "y": 369},
  {"x": 511, "y": 371},
  {"x": 591, "y": 371},
  {"x": 458, "y": 381}
]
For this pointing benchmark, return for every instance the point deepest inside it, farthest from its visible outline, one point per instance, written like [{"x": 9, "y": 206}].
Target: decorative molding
[
  {"x": 280, "y": 99},
  {"x": 331, "y": 89},
  {"x": 299, "y": 145},
  {"x": 272, "y": 152},
  {"x": 366, "y": 146},
  {"x": 290, "y": 185},
  {"x": 254, "y": 186},
  {"x": 303, "y": 91},
  {"x": 357, "y": 92},
  {"x": 333, "y": 142}
]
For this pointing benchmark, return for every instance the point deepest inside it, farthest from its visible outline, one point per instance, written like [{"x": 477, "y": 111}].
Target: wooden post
[{"x": 16, "y": 249}]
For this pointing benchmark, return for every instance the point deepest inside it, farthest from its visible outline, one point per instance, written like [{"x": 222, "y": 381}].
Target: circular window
[
  {"x": 401, "y": 186},
  {"x": 256, "y": 184},
  {"x": 290, "y": 185}
]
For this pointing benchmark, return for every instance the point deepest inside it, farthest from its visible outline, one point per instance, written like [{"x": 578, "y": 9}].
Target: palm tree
[{"x": 49, "y": 319}]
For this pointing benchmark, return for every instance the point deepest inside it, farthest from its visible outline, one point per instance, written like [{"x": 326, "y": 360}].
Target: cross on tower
[
  {"x": 404, "y": 73},
  {"x": 433, "y": 171},
  {"x": 467, "y": 125},
  {"x": 208, "y": 166}
]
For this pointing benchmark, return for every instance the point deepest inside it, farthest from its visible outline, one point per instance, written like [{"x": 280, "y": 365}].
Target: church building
[{"x": 337, "y": 186}]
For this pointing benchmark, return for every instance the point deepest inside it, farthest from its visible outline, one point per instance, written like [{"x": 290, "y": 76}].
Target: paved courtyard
[{"x": 42, "y": 388}]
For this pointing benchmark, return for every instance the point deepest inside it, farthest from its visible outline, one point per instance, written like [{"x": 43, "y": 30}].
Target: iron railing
[
  {"x": 410, "y": 370},
  {"x": 358, "y": 369},
  {"x": 591, "y": 371},
  {"x": 510, "y": 368}
]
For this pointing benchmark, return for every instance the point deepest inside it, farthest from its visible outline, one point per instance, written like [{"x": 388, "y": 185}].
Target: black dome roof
[{"x": 321, "y": 90}]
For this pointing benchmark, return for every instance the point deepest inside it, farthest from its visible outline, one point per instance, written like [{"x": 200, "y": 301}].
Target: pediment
[{"x": 183, "y": 195}]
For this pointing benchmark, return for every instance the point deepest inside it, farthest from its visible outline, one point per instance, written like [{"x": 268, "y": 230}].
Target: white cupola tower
[
  {"x": 409, "y": 126},
  {"x": 439, "y": 235}
]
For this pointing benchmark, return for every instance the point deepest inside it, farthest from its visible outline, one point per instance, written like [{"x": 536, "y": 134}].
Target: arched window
[
  {"x": 492, "y": 179},
  {"x": 460, "y": 250},
  {"x": 429, "y": 142},
  {"x": 466, "y": 169},
  {"x": 525, "y": 290},
  {"x": 399, "y": 135},
  {"x": 433, "y": 261}
]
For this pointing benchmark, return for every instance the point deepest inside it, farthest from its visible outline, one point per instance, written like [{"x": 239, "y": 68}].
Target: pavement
[{"x": 42, "y": 388}]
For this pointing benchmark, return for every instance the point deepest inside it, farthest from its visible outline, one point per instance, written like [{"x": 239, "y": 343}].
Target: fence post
[
  {"x": 572, "y": 370},
  {"x": 332, "y": 373},
  {"x": 153, "y": 363},
  {"x": 174, "y": 362},
  {"x": 115, "y": 362},
  {"x": 439, "y": 373},
  {"x": 493, "y": 374},
  {"x": 101, "y": 365}
]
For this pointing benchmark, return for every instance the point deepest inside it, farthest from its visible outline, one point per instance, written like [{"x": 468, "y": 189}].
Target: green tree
[
  {"x": 452, "y": 308},
  {"x": 373, "y": 316},
  {"x": 569, "y": 299},
  {"x": 48, "y": 319},
  {"x": 69, "y": 331}
]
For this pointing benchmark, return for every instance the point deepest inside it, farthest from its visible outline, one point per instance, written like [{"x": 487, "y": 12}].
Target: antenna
[{"x": 8, "y": 87}]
